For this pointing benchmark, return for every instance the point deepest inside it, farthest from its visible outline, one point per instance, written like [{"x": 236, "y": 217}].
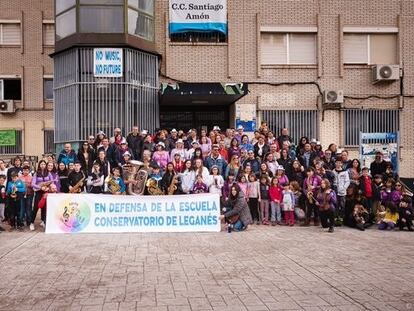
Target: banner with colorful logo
[
  {"x": 198, "y": 16},
  {"x": 94, "y": 213}
]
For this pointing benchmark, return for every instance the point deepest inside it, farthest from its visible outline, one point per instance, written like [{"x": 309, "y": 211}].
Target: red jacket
[{"x": 275, "y": 193}]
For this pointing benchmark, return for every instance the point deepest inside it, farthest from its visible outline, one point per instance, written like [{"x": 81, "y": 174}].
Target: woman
[
  {"x": 234, "y": 148},
  {"x": 187, "y": 177},
  {"x": 148, "y": 144},
  {"x": 201, "y": 170},
  {"x": 285, "y": 161},
  {"x": 167, "y": 180},
  {"x": 99, "y": 137},
  {"x": 212, "y": 137},
  {"x": 333, "y": 149},
  {"x": 86, "y": 156},
  {"x": 233, "y": 167},
  {"x": 63, "y": 177},
  {"x": 270, "y": 138},
  {"x": 95, "y": 181},
  {"x": 326, "y": 201},
  {"x": 161, "y": 156},
  {"x": 311, "y": 186},
  {"x": 237, "y": 210},
  {"x": 41, "y": 178},
  {"x": 264, "y": 170},
  {"x": 245, "y": 144},
  {"x": 197, "y": 154},
  {"x": 301, "y": 146},
  {"x": 205, "y": 146},
  {"x": 297, "y": 173},
  {"x": 354, "y": 171},
  {"x": 51, "y": 168}
]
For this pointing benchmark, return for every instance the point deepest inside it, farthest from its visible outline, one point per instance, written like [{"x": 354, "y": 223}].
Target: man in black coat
[
  {"x": 379, "y": 166},
  {"x": 135, "y": 140}
]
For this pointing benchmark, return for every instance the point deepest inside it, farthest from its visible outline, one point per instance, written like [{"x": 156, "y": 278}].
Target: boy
[
  {"x": 406, "y": 213},
  {"x": 341, "y": 183},
  {"x": 114, "y": 184},
  {"x": 75, "y": 179},
  {"x": 2, "y": 198},
  {"x": 15, "y": 191}
]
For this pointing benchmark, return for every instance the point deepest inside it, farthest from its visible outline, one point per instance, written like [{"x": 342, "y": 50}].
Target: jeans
[
  {"x": 26, "y": 209},
  {"x": 238, "y": 226},
  {"x": 384, "y": 225},
  {"x": 276, "y": 212}
]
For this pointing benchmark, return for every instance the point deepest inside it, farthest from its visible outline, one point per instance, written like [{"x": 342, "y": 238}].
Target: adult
[
  {"x": 117, "y": 138},
  {"x": 237, "y": 208},
  {"x": 179, "y": 149},
  {"x": 135, "y": 140},
  {"x": 300, "y": 149},
  {"x": 285, "y": 161},
  {"x": 200, "y": 169},
  {"x": 104, "y": 165},
  {"x": 62, "y": 172},
  {"x": 161, "y": 156},
  {"x": 354, "y": 171},
  {"x": 16, "y": 168},
  {"x": 67, "y": 155},
  {"x": 188, "y": 177},
  {"x": 245, "y": 143},
  {"x": 3, "y": 170},
  {"x": 240, "y": 133},
  {"x": 111, "y": 152},
  {"x": 233, "y": 167},
  {"x": 307, "y": 156},
  {"x": 252, "y": 161},
  {"x": 378, "y": 166},
  {"x": 215, "y": 158},
  {"x": 284, "y": 136},
  {"x": 234, "y": 148},
  {"x": 261, "y": 148},
  {"x": 86, "y": 156},
  {"x": 346, "y": 163}
]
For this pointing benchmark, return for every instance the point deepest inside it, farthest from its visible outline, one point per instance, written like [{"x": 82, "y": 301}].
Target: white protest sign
[{"x": 107, "y": 62}]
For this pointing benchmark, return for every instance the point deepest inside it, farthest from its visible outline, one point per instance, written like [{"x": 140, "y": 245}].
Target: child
[
  {"x": 199, "y": 185},
  {"x": 377, "y": 186},
  {"x": 227, "y": 186},
  {"x": 15, "y": 191},
  {"x": 95, "y": 179},
  {"x": 27, "y": 200},
  {"x": 115, "y": 181},
  {"x": 216, "y": 180},
  {"x": 253, "y": 190},
  {"x": 288, "y": 203},
  {"x": 264, "y": 199},
  {"x": 299, "y": 204},
  {"x": 406, "y": 213},
  {"x": 43, "y": 201},
  {"x": 276, "y": 196},
  {"x": 365, "y": 183},
  {"x": 390, "y": 217},
  {"x": 340, "y": 184},
  {"x": 242, "y": 183},
  {"x": 2, "y": 198}
]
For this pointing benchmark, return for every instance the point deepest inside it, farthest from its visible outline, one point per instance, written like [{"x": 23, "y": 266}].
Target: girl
[
  {"x": 270, "y": 138},
  {"x": 354, "y": 171},
  {"x": 264, "y": 199},
  {"x": 167, "y": 177},
  {"x": 216, "y": 180},
  {"x": 27, "y": 199},
  {"x": 326, "y": 201},
  {"x": 205, "y": 145},
  {"x": 178, "y": 163},
  {"x": 39, "y": 184},
  {"x": 288, "y": 205},
  {"x": 63, "y": 177},
  {"x": 389, "y": 194},
  {"x": 51, "y": 168},
  {"x": 242, "y": 183},
  {"x": 230, "y": 181},
  {"x": 391, "y": 217},
  {"x": 197, "y": 154},
  {"x": 311, "y": 186},
  {"x": 280, "y": 175},
  {"x": 253, "y": 190},
  {"x": 264, "y": 170},
  {"x": 188, "y": 177},
  {"x": 104, "y": 166},
  {"x": 237, "y": 207},
  {"x": 275, "y": 194},
  {"x": 299, "y": 200},
  {"x": 233, "y": 167},
  {"x": 199, "y": 185},
  {"x": 96, "y": 179}
]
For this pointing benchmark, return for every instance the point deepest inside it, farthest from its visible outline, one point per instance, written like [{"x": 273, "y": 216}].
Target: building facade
[{"x": 307, "y": 66}]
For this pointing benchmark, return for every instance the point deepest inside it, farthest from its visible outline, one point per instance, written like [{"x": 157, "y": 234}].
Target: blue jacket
[
  {"x": 67, "y": 158},
  {"x": 209, "y": 162},
  {"x": 20, "y": 186}
]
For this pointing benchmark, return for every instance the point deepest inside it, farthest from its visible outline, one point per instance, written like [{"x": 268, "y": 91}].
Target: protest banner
[{"x": 71, "y": 213}]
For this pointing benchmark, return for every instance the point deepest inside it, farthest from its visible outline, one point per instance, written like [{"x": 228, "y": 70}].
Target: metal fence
[
  {"x": 298, "y": 122},
  {"x": 85, "y": 104},
  {"x": 17, "y": 148},
  {"x": 49, "y": 143},
  {"x": 368, "y": 121}
]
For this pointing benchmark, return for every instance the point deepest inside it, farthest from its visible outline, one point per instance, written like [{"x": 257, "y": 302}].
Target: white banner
[
  {"x": 107, "y": 62},
  {"x": 198, "y": 16},
  {"x": 70, "y": 213}
]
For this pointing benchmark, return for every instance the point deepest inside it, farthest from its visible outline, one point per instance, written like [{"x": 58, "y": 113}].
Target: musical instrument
[
  {"x": 45, "y": 184},
  {"x": 131, "y": 173},
  {"x": 309, "y": 194},
  {"x": 406, "y": 190},
  {"x": 173, "y": 185},
  {"x": 78, "y": 187},
  {"x": 113, "y": 186},
  {"x": 13, "y": 194},
  {"x": 153, "y": 188}
]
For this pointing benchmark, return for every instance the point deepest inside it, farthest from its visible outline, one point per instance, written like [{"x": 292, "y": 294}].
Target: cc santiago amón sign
[
  {"x": 72, "y": 213},
  {"x": 107, "y": 62},
  {"x": 198, "y": 16}
]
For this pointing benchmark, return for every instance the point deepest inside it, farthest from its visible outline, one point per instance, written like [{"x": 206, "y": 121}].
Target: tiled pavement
[{"x": 268, "y": 268}]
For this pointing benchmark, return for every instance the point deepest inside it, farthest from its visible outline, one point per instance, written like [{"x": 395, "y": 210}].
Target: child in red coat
[{"x": 275, "y": 194}]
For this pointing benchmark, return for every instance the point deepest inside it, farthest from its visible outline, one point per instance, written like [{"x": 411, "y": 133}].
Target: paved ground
[{"x": 268, "y": 268}]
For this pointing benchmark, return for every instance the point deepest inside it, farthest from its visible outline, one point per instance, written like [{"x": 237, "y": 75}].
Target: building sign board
[
  {"x": 107, "y": 63},
  {"x": 198, "y": 16}
]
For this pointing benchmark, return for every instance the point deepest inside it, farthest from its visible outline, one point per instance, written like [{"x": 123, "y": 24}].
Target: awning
[{"x": 182, "y": 93}]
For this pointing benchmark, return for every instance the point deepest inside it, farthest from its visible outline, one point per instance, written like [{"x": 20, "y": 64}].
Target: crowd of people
[{"x": 261, "y": 180}]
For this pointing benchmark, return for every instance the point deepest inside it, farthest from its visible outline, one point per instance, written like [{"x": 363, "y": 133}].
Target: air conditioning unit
[
  {"x": 7, "y": 106},
  {"x": 333, "y": 99},
  {"x": 385, "y": 73}
]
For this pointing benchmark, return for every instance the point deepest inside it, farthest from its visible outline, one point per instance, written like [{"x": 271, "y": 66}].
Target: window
[
  {"x": 16, "y": 149},
  {"x": 101, "y": 19},
  {"x": 48, "y": 34},
  {"x": 199, "y": 37},
  {"x": 374, "y": 48},
  {"x": 141, "y": 18},
  {"x": 66, "y": 24},
  {"x": 288, "y": 48},
  {"x": 49, "y": 141},
  {"x": 298, "y": 122},
  {"x": 10, "y": 34},
  {"x": 63, "y": 5},
  {"x": 12, "y": 89},
  {"x": 48, "y": 89},
  {"x": 369, "y": 121}
]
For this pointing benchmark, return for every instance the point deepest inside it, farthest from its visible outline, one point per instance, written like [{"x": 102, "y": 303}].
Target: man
[
  {"x": 261, "y": 148},
  {"x": 172, "y": 139},
  {"x": 135, "y": 141},
  {"x": 346, "y": 163},
  {"x": 215, "y": 159},
  {"x": 379, "y": 166},
  {"x": 284, "y": 136},
  {"x": 254, "y": 163},
  {"x": 111, "y": 152},
  {"x": 306, "y": 159},
  {"x": 75, "y": 177},
  {"x": 91, "y": 141},
  {"x": 192, "y": 136},
  {"x": 67, "y": 155}
]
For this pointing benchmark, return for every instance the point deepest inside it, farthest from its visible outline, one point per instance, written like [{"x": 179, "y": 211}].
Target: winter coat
[
  {"x": 239, "y": 207},
  {"x": 341, "y": 182}
]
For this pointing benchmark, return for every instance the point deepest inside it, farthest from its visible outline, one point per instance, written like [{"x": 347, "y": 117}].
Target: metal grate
[
  {"x": 368, "y": 121},
  {"x": 216, "y": 37},
  {"x": 49, "y": 141},
  {"x": 16, "y": 149},
  {"x": 298, "y": 122}
]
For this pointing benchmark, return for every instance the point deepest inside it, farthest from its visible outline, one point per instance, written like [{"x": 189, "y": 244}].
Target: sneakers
[
  {"x": 31, "y": 227},
  {"x": 42, "y": 224}
]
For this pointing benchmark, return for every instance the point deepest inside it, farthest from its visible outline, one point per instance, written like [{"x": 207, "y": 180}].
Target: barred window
[
  {"x": 10, "y": 34},
  {"x": 368, "y": 121},
  {"x": 17, "y": 148},
  {"x": 49, "y": 141},
  {"x": 212, "y": 37},
  {"x": 298, "y": 122}
]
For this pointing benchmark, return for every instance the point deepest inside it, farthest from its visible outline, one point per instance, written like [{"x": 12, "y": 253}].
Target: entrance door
[{"x": 198, "y": 117}]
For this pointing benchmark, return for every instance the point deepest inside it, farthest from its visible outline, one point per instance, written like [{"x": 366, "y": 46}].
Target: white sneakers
[
  {"x": 42, "y": 224},
  {"x": 31, "y": 227}
]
